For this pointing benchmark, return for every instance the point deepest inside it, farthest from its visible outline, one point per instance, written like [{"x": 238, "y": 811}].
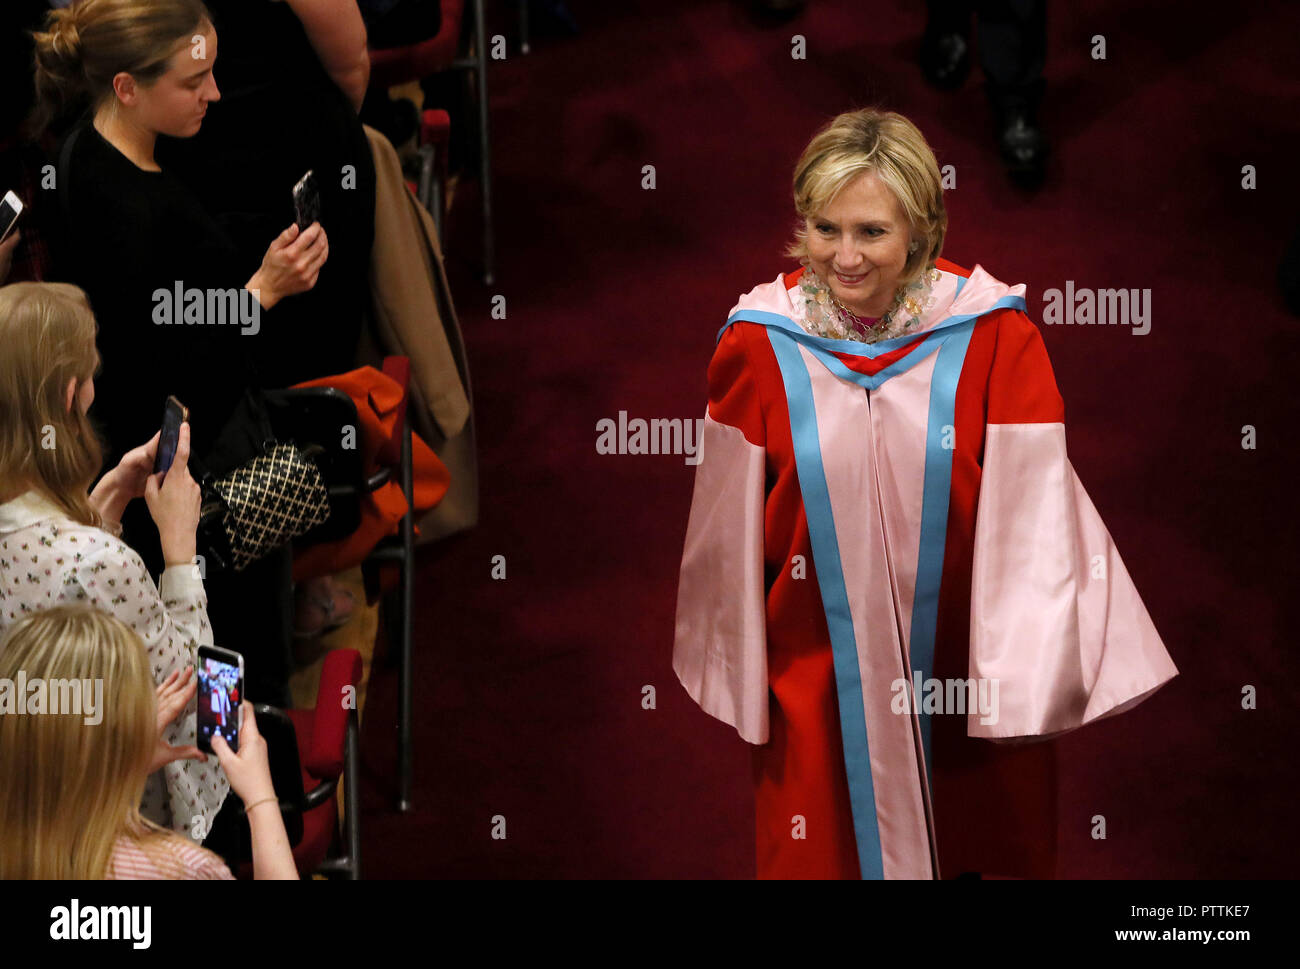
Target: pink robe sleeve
[
  {"x": 1058, "y": 629},
  {"x": 720, "y": 647}
]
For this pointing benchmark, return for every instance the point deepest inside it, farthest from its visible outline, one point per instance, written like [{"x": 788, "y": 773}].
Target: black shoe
[
  {"x": 945, "y": 60},
  {"x": 1024, "y": 148}
]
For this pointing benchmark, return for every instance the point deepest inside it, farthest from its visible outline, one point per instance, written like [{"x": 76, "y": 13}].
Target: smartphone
[
  {"x": 174, "y": 415},
  {"x": 10, "y": 208},
  {"x": 221, "y": 691},
  {"x": 306, "y": 201}
]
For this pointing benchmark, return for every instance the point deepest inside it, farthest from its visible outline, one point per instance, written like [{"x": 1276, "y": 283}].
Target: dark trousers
[
  {"x": 229, "y": 831},
  {"x": 1012, "y": 45},
  {"x": 252, "y": 613}
]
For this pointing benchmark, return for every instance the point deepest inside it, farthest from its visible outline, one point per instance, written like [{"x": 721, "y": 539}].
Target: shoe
[
  {"x": 321, "y": 607},
  {"x": 1023, "y": 147},
  {"x": 945, "y": 60}
]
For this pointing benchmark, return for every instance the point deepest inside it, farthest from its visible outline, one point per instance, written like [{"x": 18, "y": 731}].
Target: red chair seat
[{"x": 318, "y": 825}]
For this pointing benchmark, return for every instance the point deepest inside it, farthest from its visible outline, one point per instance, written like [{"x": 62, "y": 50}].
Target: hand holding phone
[
  {"x": 291, "y": 265},
  {"x": 10, "y": 208},
  {"x": 249, "y": 770},
  {"x": 175, "y": 499},
  {"x": 174, "y": 415}
]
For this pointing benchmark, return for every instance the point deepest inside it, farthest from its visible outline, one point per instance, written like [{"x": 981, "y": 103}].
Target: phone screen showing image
[{"x": 221, "y": 690}]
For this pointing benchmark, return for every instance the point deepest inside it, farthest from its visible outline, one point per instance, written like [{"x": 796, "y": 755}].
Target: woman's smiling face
[{"x": 859, "y": 244}]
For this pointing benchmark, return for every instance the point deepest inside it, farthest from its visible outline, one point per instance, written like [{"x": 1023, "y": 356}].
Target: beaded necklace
[{"x": 827, "y": 316}]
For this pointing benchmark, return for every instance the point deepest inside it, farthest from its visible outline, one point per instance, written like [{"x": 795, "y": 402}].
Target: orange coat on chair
[{"x": 377, "y": 397}]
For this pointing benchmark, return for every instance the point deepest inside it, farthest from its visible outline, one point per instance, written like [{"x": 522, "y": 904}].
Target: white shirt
[{"x": 46, "y": 559}]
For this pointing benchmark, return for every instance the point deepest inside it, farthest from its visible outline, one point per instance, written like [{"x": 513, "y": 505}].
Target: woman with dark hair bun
[{"x": 182, "y": 310}]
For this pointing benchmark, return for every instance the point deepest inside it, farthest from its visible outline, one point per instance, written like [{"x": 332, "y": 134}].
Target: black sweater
[{"x": 130, "y": 238}]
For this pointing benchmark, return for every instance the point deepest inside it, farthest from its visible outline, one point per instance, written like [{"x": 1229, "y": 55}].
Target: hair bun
[
  {"x": 58, "y": 50},
  {"x": 65, "y": 38},
  {"x": 60, "y": 68}
]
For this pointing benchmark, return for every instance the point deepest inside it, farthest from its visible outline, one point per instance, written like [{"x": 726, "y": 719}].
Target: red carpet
[{"x": 529, "y": 692}]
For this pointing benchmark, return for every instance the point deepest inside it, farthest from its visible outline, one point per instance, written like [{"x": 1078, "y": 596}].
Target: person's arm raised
[
  {"x": 174, "y": 499},
  {"x": 249, "y": 772},
  {"x": 171, "y": 619}
]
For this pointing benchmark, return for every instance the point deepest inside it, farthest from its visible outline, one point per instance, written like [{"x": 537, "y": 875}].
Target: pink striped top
[{"x": 184, "y": 861}]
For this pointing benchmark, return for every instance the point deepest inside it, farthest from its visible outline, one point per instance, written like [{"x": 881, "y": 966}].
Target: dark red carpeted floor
[{"x": 529, "y": 688}]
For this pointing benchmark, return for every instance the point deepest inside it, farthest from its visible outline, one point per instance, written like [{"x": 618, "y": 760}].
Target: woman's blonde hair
[
  {"x": 86, "y": 45},
  {"x": 886, "y": 143},
  {"x": 72, "y": 789},
  {"x": 48, "y": 334}
]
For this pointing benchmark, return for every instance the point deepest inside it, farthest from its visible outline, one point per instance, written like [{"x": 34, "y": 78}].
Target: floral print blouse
[{"x": 46, "y": 559}]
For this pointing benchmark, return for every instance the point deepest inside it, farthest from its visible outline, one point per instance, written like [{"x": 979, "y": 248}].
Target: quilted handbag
[
  {"x": 270, "y": 501},
  {"x": 273, "y": 493}
]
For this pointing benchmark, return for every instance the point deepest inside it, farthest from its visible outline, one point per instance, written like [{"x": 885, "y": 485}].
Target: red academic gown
[{"x": 819, "y": 505}]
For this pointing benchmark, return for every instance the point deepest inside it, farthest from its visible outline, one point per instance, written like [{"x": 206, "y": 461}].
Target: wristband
[{"x": 249, "y": 807}]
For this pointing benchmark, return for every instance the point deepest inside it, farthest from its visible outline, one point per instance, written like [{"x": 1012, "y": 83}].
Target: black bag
[{"x": 258, "y": 493}]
